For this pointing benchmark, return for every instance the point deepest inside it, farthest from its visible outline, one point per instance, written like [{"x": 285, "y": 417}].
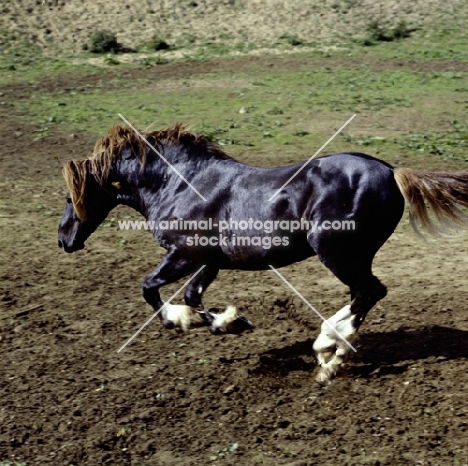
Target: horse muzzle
[{"x": 76, "y": 246}]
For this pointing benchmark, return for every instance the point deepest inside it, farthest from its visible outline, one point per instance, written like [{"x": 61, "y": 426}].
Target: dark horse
[{"x": 365, "y": 192}]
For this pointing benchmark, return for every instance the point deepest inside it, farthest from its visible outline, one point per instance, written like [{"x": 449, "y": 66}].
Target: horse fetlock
[
  {"x": 228, "y": 321},
  {"x": 324, "y": 356},
  {"x": 193, "y": 299},
  {"x": 333, "y": 344},
  {"x": 183, "y": 317},
  {"x": 180, "y": 316},
  {"x": 324, "y": 347}
]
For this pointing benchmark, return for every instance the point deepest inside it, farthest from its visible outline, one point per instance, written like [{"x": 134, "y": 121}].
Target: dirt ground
[{"x": 68, "y": 397}]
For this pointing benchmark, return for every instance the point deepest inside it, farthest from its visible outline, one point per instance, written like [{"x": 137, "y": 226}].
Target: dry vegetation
[{"x": 64, "y": 26}]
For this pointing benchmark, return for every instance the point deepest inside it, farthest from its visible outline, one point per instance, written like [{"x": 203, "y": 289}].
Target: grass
[
  {"x": 35, "y": 68},
  {"x": 289, "y": 106},
  {"x": 283, "y": 106},
  {"x": 444, "y": 43},
  {"x": 449, "y": 145}
]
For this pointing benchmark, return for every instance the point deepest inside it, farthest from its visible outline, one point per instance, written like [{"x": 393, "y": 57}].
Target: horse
[{"x": 162, "y": 175}]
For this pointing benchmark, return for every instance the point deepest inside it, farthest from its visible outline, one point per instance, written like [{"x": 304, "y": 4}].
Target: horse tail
[{"x": 445, "y": 193}]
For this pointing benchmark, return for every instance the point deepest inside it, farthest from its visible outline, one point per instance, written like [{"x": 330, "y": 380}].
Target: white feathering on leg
[
  {"x": 225, "y": 318},
  {"x": 181, "y": 315},
  {"x": 330, "y": 349}
]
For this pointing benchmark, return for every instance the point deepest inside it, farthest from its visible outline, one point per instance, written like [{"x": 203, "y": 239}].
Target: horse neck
[
  {"x": 169, "y": 191},
  {"x": 149, "y": 188},
  {"x": 129, "y": 192},
  {"x": 132, "y": 200}
]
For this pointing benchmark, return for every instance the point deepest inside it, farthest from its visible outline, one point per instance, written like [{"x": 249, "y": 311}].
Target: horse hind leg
[
  {"x": 334, "y": 343},
  {"x": 331, "y": 346}
]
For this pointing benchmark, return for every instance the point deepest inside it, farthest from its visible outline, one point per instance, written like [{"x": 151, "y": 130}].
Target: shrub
[
  {"x": 103, "y": 42},
  {"x": 378, "y": 33},
  {"x": 157, "y": 44},
  {"x": 292, "y": 39}
]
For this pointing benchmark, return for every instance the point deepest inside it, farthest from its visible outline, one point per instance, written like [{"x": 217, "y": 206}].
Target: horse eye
[{"x": 69, "y": 201}]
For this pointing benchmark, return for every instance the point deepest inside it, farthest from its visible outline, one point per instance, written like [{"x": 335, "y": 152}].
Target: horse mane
[{"x": 108, "y": 149}]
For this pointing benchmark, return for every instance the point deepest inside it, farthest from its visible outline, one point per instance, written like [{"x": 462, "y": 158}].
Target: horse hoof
[
  {"x": 239, "y": 325},
  {"x": 323, "y": 378},
  {"x": 228, "y": 322},
  {"x": 215, "y": 331},
  {"x": 168, "y": 325}
]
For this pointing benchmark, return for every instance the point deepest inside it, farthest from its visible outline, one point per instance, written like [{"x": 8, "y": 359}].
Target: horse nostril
[{"x": 60, "y": 244}]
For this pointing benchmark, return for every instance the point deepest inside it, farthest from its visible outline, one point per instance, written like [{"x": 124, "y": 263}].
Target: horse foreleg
[
  {"x": 219, "y": 323},
  {"x": 228, "y": 321},
  {"x": 198, "y": 285},
  {"x": 171, "y": 269}
]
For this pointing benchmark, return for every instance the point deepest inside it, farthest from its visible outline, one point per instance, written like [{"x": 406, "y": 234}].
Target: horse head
[
  {"x": 98, "y": 184},
  {"x": 87, "y": 205}
]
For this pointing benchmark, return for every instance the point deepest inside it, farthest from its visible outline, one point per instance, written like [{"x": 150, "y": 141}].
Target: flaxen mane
[{"x": 109, "y": 148}]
